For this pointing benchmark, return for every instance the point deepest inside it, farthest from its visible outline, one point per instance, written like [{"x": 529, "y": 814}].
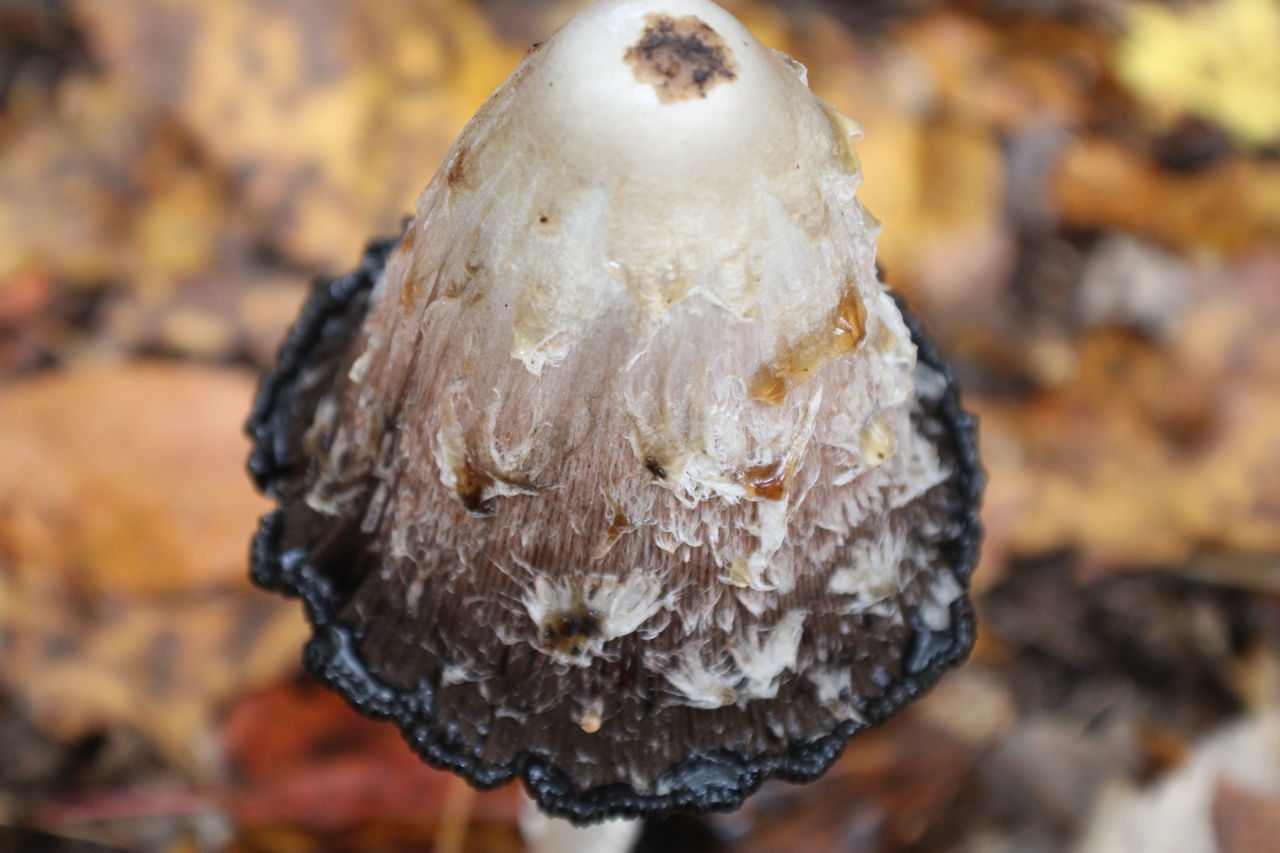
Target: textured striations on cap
[{"x": 621, "y": 472}]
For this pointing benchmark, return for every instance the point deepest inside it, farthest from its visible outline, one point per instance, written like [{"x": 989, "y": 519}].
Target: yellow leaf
[{"x": 1218, "y": 60}]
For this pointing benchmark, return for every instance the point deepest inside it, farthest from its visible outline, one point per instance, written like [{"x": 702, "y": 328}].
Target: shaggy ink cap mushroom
[{"x": 621, "y": 472}]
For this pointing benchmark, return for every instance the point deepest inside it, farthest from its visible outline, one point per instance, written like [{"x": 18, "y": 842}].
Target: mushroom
[{"x": 621, "y": 472}]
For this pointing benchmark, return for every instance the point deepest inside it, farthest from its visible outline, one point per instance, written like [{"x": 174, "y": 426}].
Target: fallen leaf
[
  {"x": 1101, "y": 183},
  {"x": 125, "y": 518},
  {"x": 1151, "y": 451},
  {"x": 330, "y": 117},
  {"x": 894, "y": 786},
  {"x": 1217, "y": 60},
  {"x": 1230, "y": 777},
  {"x": 298, "y": 756}
]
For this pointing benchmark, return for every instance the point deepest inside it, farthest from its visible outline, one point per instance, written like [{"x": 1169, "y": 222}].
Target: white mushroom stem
[{"x": 546, "y": 834}]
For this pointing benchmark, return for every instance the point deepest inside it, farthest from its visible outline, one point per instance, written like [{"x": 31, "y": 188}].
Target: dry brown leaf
[
  {"x": 57, "y": 207},
  {"x": 1151, "y": 451},
  {"x": 1024, "y": 71},
  {"x": 1221, "y": 799},
  {"x": 330, "y": 117},
  {"x": 102, "y": 189},
  {"x": 131, "y": 476},
  {"x": 1104, "y": 184},
  {"x": 125, "y": 518},
  {"x": 299, "y": 755},
  {"x": 892, "y": 787}
]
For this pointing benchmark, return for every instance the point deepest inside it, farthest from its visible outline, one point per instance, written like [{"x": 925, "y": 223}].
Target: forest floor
[{"x": 1080, "y": 198}]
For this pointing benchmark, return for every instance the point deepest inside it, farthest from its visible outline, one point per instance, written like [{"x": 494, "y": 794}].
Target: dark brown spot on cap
[
  {"x": 655, "y": 467},
  {"x": 457, "y": 173},
  {"x": 620, "y": 525},
  {"x": 681, "y": 58},
  {"x": 472, "y": 484},
  {"x": 568, "y": 632}
]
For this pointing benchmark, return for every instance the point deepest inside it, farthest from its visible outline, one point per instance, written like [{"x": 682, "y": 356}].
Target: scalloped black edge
[
  {"x": 329, "y": 299},
  {"x": 331, "y": 654}
]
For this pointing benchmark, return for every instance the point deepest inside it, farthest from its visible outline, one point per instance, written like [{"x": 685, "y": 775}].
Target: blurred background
[{"x": 1081, "y": 199}]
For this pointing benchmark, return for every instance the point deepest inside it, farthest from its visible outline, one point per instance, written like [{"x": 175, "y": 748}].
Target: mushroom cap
[{"x": 621, "y": 472}]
